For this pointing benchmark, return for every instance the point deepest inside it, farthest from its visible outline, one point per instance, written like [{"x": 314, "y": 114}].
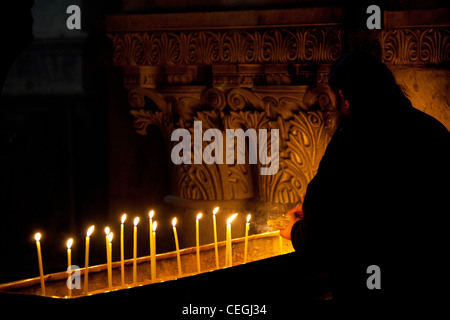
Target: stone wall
[{"x": 262, "y": 69}]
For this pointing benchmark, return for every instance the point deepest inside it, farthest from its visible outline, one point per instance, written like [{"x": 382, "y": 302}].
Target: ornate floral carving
[
  {"x": 306, "y": 141},
  {"x": 199, "y": 182},
  {"x": 257, "y": 46},
  {"x": 303, "y": 137},
  {"x": 415, "y": 46},
  {"x": 261, "y": 77}
]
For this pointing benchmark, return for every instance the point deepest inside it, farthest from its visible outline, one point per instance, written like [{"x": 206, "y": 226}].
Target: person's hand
[{"x": 295, "y": 215}]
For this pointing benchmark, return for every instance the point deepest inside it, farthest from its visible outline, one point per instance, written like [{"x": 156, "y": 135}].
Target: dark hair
[{"x": 367, "y": 83}]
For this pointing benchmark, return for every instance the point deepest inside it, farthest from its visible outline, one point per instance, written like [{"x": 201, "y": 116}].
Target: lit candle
[
  {"x": 150, "y": 234},
  {"x": 122, "y": 264},
  {"x": 107, "y": 231},
  {"x": 174, "y": 223},
  {"x": 136, "y": 221},
  {"x": 216, "y": 250},
  {"x": 153, "y": 252},
  {"x": 37, "y": 237},
  {"x": 69, "y": 264},
  {"x": 228, "y": 248},
  {"x": 86, "y": 258},
  {"x": 247, "y": 227},
  {"x": 281, "y": 242},
  {"x": 110, "y": 238},
  {"x": 197, "y": 239}
]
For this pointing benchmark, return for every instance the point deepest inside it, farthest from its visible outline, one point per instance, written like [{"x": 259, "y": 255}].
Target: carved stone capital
[{"x": 268, "y": 74}]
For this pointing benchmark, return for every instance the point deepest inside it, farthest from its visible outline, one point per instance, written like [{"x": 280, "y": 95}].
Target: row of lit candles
[{"x": 152, "y": 236}]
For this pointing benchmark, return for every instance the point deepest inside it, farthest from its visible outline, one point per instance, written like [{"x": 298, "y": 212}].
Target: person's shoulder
[{"x": 426, "y": 124}]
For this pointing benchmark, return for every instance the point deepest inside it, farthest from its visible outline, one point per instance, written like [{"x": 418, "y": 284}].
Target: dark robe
[{"x": 380, "y": 197}]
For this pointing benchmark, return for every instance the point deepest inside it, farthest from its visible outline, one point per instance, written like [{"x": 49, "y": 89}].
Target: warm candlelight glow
[
  {"x": 197, "y": 240},
  {"x": 247, "y": 227},
  {"x": 86, "y": 259},
  {"x": 230, "y": 220},
  {"x": 69, "y": 265},
  {"x": 89, "y": 231},
  {"x": 216, "y": 250},
  {"x": 153, "y": 251},
  {"x": 109, "y": 259},
  {"x": 152, "y": 240},
  {"x": 122, "y": 254},
  {"x": 69, "y": 243},
  {"x": 177, "y": 247},
  {"x": 107, "y": 242},
  {"x": 37, "y": 237},
  {"x": 135, "y": 222},
  {"x": 228, "y": 247}
]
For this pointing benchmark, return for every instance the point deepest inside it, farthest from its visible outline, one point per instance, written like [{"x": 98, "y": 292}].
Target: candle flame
[
  {"x": 154, "y": 226},
  {"x": 232, "y": 218},
  {"x": 90, "y": 230},
  {"x": 151, "y": 214},
  {"x": 124, "y": 217},
  {"x": 216, "y": 209},
  {"x": 69, "y": 243},
  {"x": 107, "y": 230},
  {"x": 110, "y": 237},
  {"x": 136, "y": 221},
  {"x": 37, "y": 236},
  {"x": 199, "y": 216},
  {"x": 174, "y": 221},
  {"x": 249, "y": 216}
]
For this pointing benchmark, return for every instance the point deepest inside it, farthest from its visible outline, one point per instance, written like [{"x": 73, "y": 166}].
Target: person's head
[{"x": 361, "y": 85}]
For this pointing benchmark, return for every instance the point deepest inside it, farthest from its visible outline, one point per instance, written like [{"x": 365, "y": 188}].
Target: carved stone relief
[
  {"x": 257, "y": 46},
  {"x": 262, "y": 77},
  {"x": 304, "y": 135}
]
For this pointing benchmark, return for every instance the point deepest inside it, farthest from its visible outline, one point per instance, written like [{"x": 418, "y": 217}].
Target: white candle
[
  {"x": 216, "y": 250},
  {"x": 197, "y": 240},
  {"x": 86, "y": 259},
  {"x": 153, "y": 252},
  {"x": 247, "y": 227},
  {"x": 107, "y": 231},
  {"x": 281, "y": 242},
  {"x": 37, "y": 237},
  {"x": 69, "y": 263},
  {"x": 174, "y": 223},
  {"x": 150, "y": 235},
  {"x": 122, "y": 264},
  {"x": 136, "y": 221},
  {"x": 110, "y": 238},
  {"x": 229, "y": 250}
]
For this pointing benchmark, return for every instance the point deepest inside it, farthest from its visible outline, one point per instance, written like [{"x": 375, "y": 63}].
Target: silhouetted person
[{"x": 380, "y": 194}]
